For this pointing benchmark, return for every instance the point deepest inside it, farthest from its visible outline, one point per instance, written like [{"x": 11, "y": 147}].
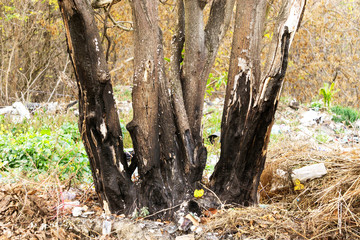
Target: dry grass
[
  {"x": 34, "y": 209},
  {"x": 327, "y": 208}
]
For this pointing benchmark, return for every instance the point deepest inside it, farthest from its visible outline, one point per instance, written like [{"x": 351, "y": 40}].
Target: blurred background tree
[{"x": 34, "y": 67}]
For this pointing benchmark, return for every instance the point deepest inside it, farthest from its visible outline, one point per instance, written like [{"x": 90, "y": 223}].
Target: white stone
[
  {"x": 310, "y": 118},
  {"x": 22, "y": 110},
  {"x": 8, "y": 110}
]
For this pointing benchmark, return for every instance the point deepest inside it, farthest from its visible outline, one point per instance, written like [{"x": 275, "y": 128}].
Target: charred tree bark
[
  {"x": 166, "y": 126},
  {"x": 98, "y": 120},
  {"x": 169, "y": 149},
  {"x": 251, "y": 99}
]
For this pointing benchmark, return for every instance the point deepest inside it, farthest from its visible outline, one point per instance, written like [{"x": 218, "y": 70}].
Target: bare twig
[
  {"x": 118, "y": 24},
  {"x": 163, "y": 210},
  {"x": 221, "y": 203}
]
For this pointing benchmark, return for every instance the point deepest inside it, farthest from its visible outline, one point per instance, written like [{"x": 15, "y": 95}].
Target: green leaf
[{"x": 45, "y": 132}]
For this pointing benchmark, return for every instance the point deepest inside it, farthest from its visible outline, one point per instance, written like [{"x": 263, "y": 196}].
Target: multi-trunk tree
[{"x": 168, "y": 103}]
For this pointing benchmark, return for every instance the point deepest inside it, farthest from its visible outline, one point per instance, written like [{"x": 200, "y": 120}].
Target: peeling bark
[
  {"x": 166, "y": 126},
  {"x": 251, "y": 99},
  {"x": 98, "y": 120}
]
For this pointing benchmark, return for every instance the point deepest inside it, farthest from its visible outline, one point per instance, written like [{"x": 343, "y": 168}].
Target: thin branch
[
  {"x": 222, "y": 204},
  {"x": 220, "y": 16},
  {"x": 163, "y": 210},
  {"x": 118, "y": 24}
]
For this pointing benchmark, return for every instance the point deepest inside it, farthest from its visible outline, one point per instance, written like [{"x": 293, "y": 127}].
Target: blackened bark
[
  {"x": 98, "y": 120},
  {"x": 167, "y": 174},
  {"x": 251, "y": 100},
  {"x": 166, "y": 126}
]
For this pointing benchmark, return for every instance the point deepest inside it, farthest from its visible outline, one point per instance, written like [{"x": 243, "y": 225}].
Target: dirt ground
[{"x": 327, "y": 207}]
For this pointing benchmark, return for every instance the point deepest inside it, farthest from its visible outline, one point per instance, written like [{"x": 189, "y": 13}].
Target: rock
[
  {"x": 294, "y": 105},
  {"x": 310, "y": 118},
  {"x": 309, "y": 172},
  {"x": 8, "y": 110},
  {"x": 22, "y": 110}
]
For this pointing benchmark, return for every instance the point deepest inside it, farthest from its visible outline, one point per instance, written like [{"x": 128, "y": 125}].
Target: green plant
[
  {"x": 214, "y": 83},
  {"x": 143, "y": 212},
  {"x": 328, "y": 92},
  {"x": 322, "y": 138},
  {"x": 39, "y": 150},
  {"x": 316, "y": 105},
  {"x": 345, "y": 114}
]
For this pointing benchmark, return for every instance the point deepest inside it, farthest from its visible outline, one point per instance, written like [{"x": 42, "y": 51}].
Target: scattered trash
[
  {"x": 294, "y": 104},
  {"x": 43, "y": 227},
  {"x": 184, "y": 224},
  {"x": 22, "y": 110},
  {"x": 106, "y": 230},
  {"x": 8, "y": 110},
  {"x": 194, "y": 221},
  {"x": 278, "y": 129},
  {"x": 16, "y": 109},
  {"x": 309, "y": 172},
  {"x": 310, "y": 118},
  {"x": 171, "y": 228},
  {"x": 212, "y": 138},
  {"x": 77, "y": 211},
  {"x": 70, "y": 204},
  {"x": 68, "y": 195}
]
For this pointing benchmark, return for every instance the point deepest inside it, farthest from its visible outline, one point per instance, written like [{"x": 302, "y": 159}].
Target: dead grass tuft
[{"x": 327, "y": 207}]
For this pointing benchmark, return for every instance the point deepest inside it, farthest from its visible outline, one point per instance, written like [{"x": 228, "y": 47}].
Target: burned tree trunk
[
  {"x": 166, "y": 135},
  {"x": 98, "y": 120},
  {"x": 251, "y": 99},
  {"x": 165, "y": 130},
  {"x": 168, "y": 105}
]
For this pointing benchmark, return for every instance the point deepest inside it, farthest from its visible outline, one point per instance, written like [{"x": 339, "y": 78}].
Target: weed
[
  {"x": 143, "y": 212},
  {"x": 275, "y": 138},
  {"x": 328, "y": 92},
  {"x": 35, "y": 149},
  {"x": 321, "y": 138},
  {"x": 214, "y": 83},
  {"x": 345, "y": 114},
  {"x": 316, "y": 105},
  {"x": 122, "y": 93}
]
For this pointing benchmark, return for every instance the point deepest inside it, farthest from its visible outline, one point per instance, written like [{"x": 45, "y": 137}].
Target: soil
[{"x": 323, "y": 208}]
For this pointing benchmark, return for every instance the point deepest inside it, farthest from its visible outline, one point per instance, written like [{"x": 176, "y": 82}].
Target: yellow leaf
[
  {"x": 298, "y": 185},
  {"x": 198, "y": 193}
]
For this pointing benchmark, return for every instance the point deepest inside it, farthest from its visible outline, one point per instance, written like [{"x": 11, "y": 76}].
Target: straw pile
[{"x": 327, "y": 207}]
